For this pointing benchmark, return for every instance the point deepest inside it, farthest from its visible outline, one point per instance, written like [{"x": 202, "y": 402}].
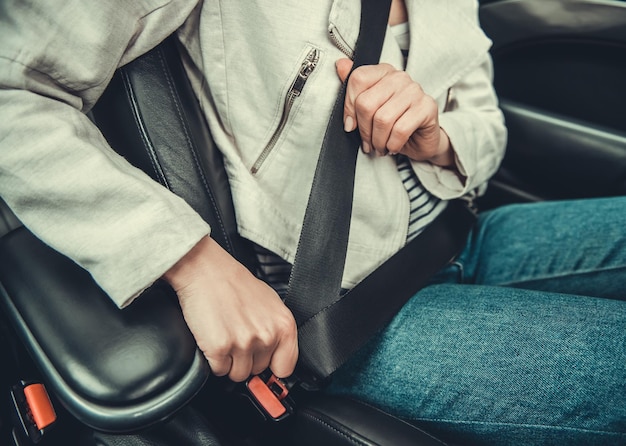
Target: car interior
[{"x": 116, "y": 377}]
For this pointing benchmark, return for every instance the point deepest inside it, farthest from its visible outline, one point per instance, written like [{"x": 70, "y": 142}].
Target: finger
[
  {"x": 261, "y": 360},
  {"x": 220, "y": 366},
  {"x": 285, "y": 356},
  {"x": 361, "y": 80},
  {"x": 367, "y": 105},
  {"x": 403, "y": 94},
  {"x": 343, "y": 67},
  {"x": 384, "y": 122},
  {"x": 242, "y": 367},
  {"x": 415, "y": 134},
  {"x": 402, "y": 130}
]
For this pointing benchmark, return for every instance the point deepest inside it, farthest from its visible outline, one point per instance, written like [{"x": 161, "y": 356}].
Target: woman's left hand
[{"x": 393, "y": 114}]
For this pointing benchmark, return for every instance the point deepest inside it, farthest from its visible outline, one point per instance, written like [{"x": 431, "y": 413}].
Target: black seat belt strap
[
  {"x": 318, "y": 267},
  {"x": 331, "y": 327},
  {"x": 330, "y": 337}
]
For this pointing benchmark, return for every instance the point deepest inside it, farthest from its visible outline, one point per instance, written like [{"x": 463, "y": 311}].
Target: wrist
[
  {"x": 445, "y": 154},
  {"x": 183, "y": 270}
]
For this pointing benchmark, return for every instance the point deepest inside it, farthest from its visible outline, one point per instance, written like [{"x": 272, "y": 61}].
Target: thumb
[{"x": 343, "y": 68}]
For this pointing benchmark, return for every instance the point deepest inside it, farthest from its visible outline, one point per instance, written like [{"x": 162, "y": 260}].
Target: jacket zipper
[
  {"x": 340, "y": 43},
  {"x": 307, "y": 67}
]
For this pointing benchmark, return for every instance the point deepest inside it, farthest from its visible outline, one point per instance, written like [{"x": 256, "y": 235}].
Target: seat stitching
[
  {"x": 200, "y": 172},
  {"x": 335, "y": 428},
  {"x": 147, "y": 143},
  {"x": 401, "y": 420}
]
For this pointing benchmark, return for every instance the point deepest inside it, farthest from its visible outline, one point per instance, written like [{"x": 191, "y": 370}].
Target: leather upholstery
[
  {"x": 114, "y": 370},
  {"x": 124, "y": 370},
  {"x": 149, "y": 114},
  {"x": 335, "y": 421},
  {"x": 188, "y": 428}
]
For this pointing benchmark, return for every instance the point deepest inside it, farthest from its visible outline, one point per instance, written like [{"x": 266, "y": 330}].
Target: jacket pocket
[{"x": 307, "y": 67}]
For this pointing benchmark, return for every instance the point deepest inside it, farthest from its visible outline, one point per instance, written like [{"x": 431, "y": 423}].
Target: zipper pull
[
  {"x": 306, "y": 69},
  {"x": 295, "y": 90}
]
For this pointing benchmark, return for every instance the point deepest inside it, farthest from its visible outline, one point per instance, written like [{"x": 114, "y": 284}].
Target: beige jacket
[{"x": 65, "y": 183}]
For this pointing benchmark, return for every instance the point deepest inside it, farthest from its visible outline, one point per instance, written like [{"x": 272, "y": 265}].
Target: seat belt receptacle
[
  {"x": 271, "y": 396},
  {"x": 33, "y": 409}
]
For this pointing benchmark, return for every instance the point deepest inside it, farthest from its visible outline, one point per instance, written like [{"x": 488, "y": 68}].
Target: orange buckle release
[
  {"x": 271, "y": 396},
  {"x": 33, "y": 409}
]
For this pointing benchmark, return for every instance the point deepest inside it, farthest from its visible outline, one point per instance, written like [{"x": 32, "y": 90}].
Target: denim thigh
[
  {"x": 575, "y": 247},
  {"x": 515, "y": 343},
  {"x": 488, "y": 365}
]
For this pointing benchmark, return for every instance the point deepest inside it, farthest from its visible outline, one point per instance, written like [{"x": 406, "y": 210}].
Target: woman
[{"x": 487, "y": 363}]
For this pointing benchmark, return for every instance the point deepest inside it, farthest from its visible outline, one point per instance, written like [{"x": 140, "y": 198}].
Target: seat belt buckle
[
  {"x": 270, "y": 395},
  {"x": 33, "y": 410}
]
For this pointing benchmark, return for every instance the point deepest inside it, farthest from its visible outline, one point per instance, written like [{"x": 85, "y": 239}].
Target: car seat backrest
[
  {"x": 150, "y": 115},
  {"x": 8, "y": 220}
]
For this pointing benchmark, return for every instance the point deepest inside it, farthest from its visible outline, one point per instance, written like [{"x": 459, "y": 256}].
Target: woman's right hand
[{"x": 239, "y": 322}]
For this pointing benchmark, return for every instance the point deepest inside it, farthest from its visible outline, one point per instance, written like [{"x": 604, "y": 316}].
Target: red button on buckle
[
  {"x": 32, "y": 409},
  {"x": 270, "y": 395}
]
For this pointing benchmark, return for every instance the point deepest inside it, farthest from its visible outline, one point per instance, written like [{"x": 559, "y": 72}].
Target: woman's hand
[
  {"x": 238, "y": 321},
  {"x": 393, "y": 114}
]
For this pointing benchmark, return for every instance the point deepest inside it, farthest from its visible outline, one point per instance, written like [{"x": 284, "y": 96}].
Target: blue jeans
[{"x": 522, "y": 341}]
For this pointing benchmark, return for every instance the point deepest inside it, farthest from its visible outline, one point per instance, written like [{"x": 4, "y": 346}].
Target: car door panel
[{"x": 559, "y": 70}]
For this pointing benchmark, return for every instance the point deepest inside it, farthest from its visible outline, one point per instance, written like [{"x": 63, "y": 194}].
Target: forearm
[
  {"x": 57, "y": 172},
  {"x": 65, "y": 183}
]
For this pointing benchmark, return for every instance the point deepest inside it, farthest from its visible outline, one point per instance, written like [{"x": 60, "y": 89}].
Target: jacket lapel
[{"x": 445, "y": 43}]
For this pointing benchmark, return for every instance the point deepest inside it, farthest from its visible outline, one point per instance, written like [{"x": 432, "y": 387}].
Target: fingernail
[
  {"x": 348, "y": 125},
  {"x": 366, "y": 147}
]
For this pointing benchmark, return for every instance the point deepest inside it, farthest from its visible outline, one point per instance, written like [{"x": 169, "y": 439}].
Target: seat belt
[
  {"x": 315, "y": 281},
  {"x": 318, "y": 266},
  {"x": 328, "y": 338},
  {"x": 331, "y": 327}
]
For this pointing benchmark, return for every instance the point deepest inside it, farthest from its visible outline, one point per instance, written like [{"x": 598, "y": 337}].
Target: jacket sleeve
[
  {"x": 475, "y": 126},
  {"x": 57, "y": 172}
]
